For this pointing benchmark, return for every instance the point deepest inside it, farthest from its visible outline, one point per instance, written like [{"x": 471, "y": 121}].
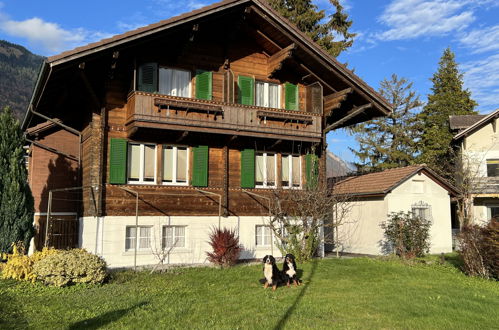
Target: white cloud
[
  {"x": 48, "y": 37},
  {"x": 407, "y": 19},
  {"x": 482, "y": 78},
  {"x": 481, "y": 40}
]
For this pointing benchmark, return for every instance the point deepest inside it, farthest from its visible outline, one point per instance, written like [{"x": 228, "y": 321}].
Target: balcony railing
[{"x": 180, "y": 113}]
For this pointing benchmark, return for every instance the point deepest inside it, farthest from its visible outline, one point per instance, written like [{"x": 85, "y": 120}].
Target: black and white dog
[
  {"x": 289, "y": 270},
  {"x": 271, "y": 272}
]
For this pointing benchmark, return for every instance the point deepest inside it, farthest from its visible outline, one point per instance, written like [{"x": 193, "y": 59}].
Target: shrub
[
  {"x": 479, "y": 249},
  {"x": 407, "y": 234},
  {"x": 225, "y": 245},
  {"x": 70, "y": 267},
  {"x": 19, "y": 266}
]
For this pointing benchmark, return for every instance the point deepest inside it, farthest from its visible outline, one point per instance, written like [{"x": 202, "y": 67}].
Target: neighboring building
[
  {"x": 182, "y": 126},
  {"x": 477, "y": 138},
  {"x": 337, "y": 167},
  {"x": 372, "y": 197}
]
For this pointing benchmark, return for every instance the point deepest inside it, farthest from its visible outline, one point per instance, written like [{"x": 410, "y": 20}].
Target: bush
[
  {"x": 225, "y": 245},
  {"x": 70, "y": 267},
  {"x": 19, "y": 266},
  {"x": 408, "y": 234},
  {"x": 479, "y": 249}
]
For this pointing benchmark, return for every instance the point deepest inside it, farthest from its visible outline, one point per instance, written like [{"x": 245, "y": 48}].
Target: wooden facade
[{"x": 98, "y": 90}]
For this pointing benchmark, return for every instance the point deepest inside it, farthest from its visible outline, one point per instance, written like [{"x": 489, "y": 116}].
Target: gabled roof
[
  {"x": 381, "y": 183},
  {"x": 464, "y": 121},
  {"x": 477, "y": 125}
]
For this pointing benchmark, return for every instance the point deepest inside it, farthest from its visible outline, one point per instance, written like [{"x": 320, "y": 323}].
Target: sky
[{"x": 405, "y": 37}]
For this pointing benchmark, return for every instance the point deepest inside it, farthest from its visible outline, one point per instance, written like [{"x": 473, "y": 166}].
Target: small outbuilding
[{"x": 372, "y": 197}]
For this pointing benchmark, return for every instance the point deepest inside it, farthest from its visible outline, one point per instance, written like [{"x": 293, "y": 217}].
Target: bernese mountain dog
[
  {"x": 289, "y": 270},
  {"x": 271, "y": 272}
]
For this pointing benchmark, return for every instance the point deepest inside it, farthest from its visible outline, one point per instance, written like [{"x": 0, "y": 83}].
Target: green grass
[{"x": 347, "y": 293}]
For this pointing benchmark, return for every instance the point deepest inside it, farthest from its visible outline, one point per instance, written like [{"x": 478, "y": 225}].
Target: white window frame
[
  {"x": 266, "y": 85},
  {"x": 139, "y": 247},
  {"x": 265, "y": 184},
  {"x": 174, "y": 166},
  {"x": 177, "y": 69},
  {"x": 142, "y": 163},
  {"x": 174, "y": 237},
  {"x": 422, "y": 206},
  {"x": 265, "y": 243},
  {"x": 290, "y": 174}
]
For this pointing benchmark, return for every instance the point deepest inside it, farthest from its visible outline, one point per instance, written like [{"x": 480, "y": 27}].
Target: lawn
[{"x": 345, "y": 293}]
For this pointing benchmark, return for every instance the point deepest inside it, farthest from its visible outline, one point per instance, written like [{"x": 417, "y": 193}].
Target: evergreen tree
[
  {"x": 389, "y": 141},
  {"x": 447, "y": 98},
  {"x": 331, "y": 34},
  {"x": 16, "y": 201}
]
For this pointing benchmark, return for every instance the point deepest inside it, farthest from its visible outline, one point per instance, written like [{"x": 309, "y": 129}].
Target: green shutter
[
  {"x": 117, "y": 161},
  {"x": 204, "y": 84},
  {"x": 312, "y": 170},
  {"x": 200, "y": 167},
  {"x": 248, "y": 168},
  {"x": 246, "y": 90},
  {"x": 291, "y": 96},
  {"x": 147, "y": 80}
]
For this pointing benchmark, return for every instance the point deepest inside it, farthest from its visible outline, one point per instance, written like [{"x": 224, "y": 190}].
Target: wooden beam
[
  {"x": 317, "y": 77},
  {"x": 275, "y": 62},
  {"x": 275, "y": 144},
  {"x": 333, "y": 101},
  {"x": 268, "y": 39},
  {"x": 90, "y": 90},
  {"x": 349, "y": 115}
]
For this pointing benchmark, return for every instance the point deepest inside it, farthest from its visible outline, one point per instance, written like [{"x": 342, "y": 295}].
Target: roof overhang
[{"x": 479, "y": 124}]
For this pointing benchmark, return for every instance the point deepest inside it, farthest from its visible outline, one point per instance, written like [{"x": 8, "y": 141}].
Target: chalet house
[
  {"x": 149, "y": 139},
  {"x": 477, "y": 138},
  {"x": 370, "y": 198}
]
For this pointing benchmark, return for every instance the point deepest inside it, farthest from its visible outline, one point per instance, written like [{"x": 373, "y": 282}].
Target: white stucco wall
[
  {"x": 404, "y": 196},
  {"x": 106, "y": 237},
  {"x": 363, "y": 234}
]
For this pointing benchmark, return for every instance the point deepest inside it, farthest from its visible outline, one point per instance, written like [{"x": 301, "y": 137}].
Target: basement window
[
  {"x": 173, "y": 236},
  {"x": 143, "y": 239},
  {"x": 263, "y": 237}
]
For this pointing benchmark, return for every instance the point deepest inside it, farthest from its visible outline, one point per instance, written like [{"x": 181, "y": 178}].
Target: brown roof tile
[
  {"x": 381, "y": 183},
  {"x": 464, "y": 121}
]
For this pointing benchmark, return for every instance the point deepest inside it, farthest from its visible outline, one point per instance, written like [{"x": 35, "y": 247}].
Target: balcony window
[
  {"x": 141, "y": 163},
  {"x": 174, "y": 82},
  {"x": 267, "y": 94},
  {"x": 492, "y": 167},
  {"x": 265, "y": 170},
  {"x": 175, "y": 165},
  {"x": 291, "y": 171}
]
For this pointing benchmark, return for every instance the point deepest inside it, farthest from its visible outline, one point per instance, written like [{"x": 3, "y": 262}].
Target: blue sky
[{"x": 406, "y": 37}]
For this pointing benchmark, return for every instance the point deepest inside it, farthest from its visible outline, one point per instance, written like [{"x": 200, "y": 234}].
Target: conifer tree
[
  {"x": 390, "y": 141},
  {"x": 447, "y": 98},
  {"x": 331, "y": 34},
  {"x": 16, "y": 201}
]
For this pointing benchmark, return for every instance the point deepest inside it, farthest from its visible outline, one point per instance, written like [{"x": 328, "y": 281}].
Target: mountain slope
[{"x": 18, "y": 71}]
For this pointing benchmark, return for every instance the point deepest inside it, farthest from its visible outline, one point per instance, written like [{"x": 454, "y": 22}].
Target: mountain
[
  {"x": 336, "y": 166},
  {"x": 18, "y": 71}
]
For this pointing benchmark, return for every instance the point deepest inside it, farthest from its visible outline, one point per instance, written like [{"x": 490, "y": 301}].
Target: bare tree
[{"x": 302, "y": 220}]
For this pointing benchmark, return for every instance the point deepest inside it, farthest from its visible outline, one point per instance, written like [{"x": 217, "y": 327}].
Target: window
[
  {"x": 144, "y": 238},
  {"x": 175, "y": 165},
  {"x": 173, "y": 236},
  {"x": 174, "y": 82},
  {"x": 291, "y": 171},
  {"x": 141, "y": 163},
  {"x": 265, "y": 169},
  {"x": 267, "y": 94},
  {"x": 492, "y": 211},
  {"x": 422, "y": 210},
  {"x": 263, "y": 236},
  {"x": 492, "y": 167}
]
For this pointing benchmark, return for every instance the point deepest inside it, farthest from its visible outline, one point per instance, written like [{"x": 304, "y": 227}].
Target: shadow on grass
[
  {"x": 291, "y": 309},
  {"x": 455, "y": 260},
  {"x": 101, "y": 320},
  {"x": 10, "y": 316}
]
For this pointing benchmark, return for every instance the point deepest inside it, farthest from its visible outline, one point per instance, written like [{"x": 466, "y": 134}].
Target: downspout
[{"x": 136, "y": 224}]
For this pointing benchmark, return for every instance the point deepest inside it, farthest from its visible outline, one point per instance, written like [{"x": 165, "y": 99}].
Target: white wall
[
  {"x": 106, "y": 237},
  {"x": 405, "y": 195},
  {"x": 363, "y": 234}
]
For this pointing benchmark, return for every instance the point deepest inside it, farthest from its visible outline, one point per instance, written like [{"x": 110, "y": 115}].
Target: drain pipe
[{"x": 133, "y": 192}]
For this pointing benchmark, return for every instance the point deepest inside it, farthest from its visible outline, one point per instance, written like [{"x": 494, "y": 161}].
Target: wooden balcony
[{"x": 147, "y": 110}]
